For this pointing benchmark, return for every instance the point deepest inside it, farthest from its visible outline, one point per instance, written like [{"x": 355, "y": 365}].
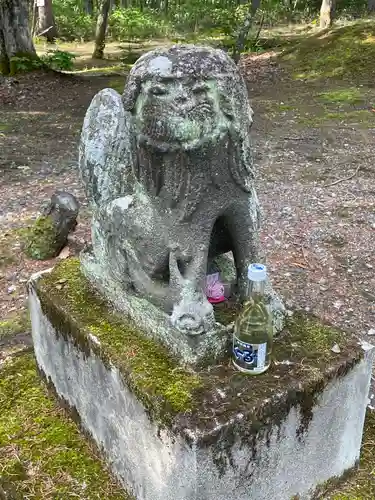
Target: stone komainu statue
[{"x": 168, "y": 171}]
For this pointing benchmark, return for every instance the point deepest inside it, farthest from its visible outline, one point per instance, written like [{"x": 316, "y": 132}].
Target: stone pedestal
[{"x": 171, "y": 433}]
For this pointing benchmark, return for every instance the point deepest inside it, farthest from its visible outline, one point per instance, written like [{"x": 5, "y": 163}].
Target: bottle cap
[{"x": 257, "y": 272}]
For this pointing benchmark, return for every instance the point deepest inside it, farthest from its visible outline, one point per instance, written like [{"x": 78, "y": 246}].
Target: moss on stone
[
  {"x": 42, "y": 453},
  {"x": 303, "y": 363},
  {"x": 146, "y": 365},
  {"x": 39, "y": 240}
]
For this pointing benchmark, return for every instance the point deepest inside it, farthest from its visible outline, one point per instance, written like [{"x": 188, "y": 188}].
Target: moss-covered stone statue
[
  {"x": 49, "y": 234},
  {"x": 168, "y": 171}
]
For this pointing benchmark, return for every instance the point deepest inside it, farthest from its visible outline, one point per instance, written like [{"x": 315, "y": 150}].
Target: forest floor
[{"x": 313, "y": 136}]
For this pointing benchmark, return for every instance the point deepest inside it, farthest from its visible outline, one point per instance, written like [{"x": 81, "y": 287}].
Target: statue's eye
[
  {"x": 200, "y": 88},
  {"x": 158, "y": 90}
]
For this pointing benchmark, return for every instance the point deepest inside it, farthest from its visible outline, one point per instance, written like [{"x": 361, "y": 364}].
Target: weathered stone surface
[
  {"x": 168, "y": 171},
  {"x": 171, "y": 434},
  {"x": 49, "y": 234}
]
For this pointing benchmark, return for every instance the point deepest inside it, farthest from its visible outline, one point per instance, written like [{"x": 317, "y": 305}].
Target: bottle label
[{"x": 253, "y": 356}]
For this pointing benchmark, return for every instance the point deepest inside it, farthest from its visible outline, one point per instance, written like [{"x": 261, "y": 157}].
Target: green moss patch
[
  {"x": 364, "y": 118},
  {"x": 117, "y": 84},
  {"x": 164, "y": 387},
  {"x": 303, "y": 362},
  {"x": 14, "y": 324},
  {"x": 346, "y": 52},
  {"x": 4, "y": 127},
  {"x": 42, "y": 453},
  {"x": 39, "y": 240},
  {"x": 350, "y": 95},
  {"x": 9, "y": 248}
]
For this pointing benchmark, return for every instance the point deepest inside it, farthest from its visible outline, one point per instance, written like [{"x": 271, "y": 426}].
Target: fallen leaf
[{"x": 64, "y": 254}]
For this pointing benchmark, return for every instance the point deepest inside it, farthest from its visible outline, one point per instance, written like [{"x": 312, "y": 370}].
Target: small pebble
[{"x": 336, "y": 349}]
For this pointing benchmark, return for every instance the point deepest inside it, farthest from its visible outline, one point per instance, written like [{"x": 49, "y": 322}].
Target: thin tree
[
  {"x": 101, "y": 28},
  {"x": 46, "y": 20},
  {"x": 327, "y": 11},
  {"x": 371, "y": 6},
  {"x": 244, "y": 30},
  {"x": 15, "y": 36}
]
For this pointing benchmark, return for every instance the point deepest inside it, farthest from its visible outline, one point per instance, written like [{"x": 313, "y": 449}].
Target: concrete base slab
[{"x": 170, "y": 433}]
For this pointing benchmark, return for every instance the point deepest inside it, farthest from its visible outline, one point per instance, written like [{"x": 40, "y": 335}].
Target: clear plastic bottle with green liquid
[{"x": 253, "y": 334}]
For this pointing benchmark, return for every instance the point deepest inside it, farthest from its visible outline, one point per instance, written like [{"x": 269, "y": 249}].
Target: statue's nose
[{"x": 182, "y": 95}]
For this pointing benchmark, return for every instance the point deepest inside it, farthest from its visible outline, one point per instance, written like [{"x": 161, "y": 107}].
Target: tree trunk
[
  {"x": 101, "y": 28},
  {"x": 327, "y": 11},
  {"x": 46, "y": 20},
  {"x": 371, "y": 5},
  {"x": 15, "y": 37},
  {"x": 34, "y": 19},
  {"x": 244, "y": 30}
]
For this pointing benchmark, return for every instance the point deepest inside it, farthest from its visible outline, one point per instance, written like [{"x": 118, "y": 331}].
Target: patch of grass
[
  {"x": 284, "y": 107},
  {"x": 4, "y": 127},
  {"x": 8, "y": 244},
  {"x": 42, "y": 453},
  {"x": 117, "y": 84},
  {"x": 346, "y": 52},
  {"x": 363, "y": 117},
  {"x": 350, "y": 95},
  {"x": 14, "y": 324},
  {"x": 101, "y": 70}
]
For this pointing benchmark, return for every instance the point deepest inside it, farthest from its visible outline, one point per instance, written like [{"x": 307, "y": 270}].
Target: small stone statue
[
  {"x": 168, "y": 171},
  {"x": 49, "y": 234}
]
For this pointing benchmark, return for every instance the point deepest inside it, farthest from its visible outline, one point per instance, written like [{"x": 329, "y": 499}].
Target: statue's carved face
[{"x": 179, "y": 111}]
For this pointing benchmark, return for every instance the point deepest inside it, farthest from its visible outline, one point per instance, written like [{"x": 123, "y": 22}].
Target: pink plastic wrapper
[{"x": 214, "y": 288}]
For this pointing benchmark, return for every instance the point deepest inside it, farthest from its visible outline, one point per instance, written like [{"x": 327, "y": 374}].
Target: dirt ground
[{"x": 318, "y": 224}]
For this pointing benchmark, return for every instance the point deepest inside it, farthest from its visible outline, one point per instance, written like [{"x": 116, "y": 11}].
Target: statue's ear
[{"x": 131, "y": 92}]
